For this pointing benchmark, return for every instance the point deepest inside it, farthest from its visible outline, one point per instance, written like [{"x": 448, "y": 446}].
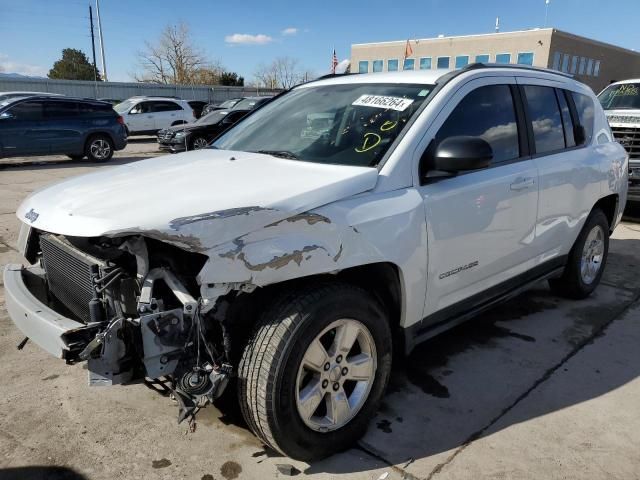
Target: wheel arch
[{"x": 609, "y": 206}]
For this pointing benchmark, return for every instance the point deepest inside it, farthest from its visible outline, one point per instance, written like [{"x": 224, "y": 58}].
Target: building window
[
  {"x": 590, "y": 67},
  {"x": 565, "y": 63},
  {"x": 482, "y": 58},
  {"x": 425, "y": 63},
  {"x": 443, "y": 62},
  {"x": 462, "y": 61},
  {"x": 363, "y": 66},
  {"x": 377, "y": 66},
  {"x": 503, "y": 58},
  {"x": 556, "y": 60},
  {"x": 574, "y": 64},
  {"x": 409, "y": 64},
  {"x": 596, "y": 69},
  {"x": 583, "y": 66},
  {"x": 392, "y": 65},
  {"x": 525, "y": 58}
]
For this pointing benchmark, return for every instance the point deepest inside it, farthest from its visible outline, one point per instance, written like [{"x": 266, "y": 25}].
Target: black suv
[{"x": 45, "y": 125}]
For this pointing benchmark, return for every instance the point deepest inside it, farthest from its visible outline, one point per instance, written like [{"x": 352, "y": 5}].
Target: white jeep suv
[
  {"x": 295, "y": 263},
  {"x": 621, "y": 103},
  {"x": 147, "y": 115}
]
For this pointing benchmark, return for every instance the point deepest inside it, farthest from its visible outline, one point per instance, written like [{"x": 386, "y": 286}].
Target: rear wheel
[
  {"x": 198, "y": 143},
  {"x": 99, "y": 148},
  {"x": 587, "y": 259},
  {"x": 313, "y": 373}
]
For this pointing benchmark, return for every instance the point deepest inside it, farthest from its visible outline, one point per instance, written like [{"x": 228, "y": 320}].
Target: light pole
[{"x": 104, "y": 65}]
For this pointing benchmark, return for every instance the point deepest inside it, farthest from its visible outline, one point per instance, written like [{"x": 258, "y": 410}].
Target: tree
[
  {"x": 231, "y": 79},
  {"x": 74, "y": 65},
  {"x": 283, "y": 72},
  {"x": 174, "y": 58}
]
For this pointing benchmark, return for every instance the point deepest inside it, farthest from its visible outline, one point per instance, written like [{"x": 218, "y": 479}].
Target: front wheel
[
  {"x": 198, "y": 143},
  {"x": 313, "y": 373},
  {"x": 587, "y": 259}
]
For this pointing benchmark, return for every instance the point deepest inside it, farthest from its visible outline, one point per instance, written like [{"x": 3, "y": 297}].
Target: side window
[
  {"x": 487, "y": 112},
  {"x": 546, "y": 121},
  {"x": 28, "y": 111},
  {"x": 60, "y": 109},
  {"x": 585, "y": 109},
  {"x": 567, "y": 122},
  {"x": 142, "y": 107},
  {"x": 165, "y": 107}
]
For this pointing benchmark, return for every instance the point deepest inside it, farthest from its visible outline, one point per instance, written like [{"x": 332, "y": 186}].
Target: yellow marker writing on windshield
[
  {"x": 388, "y": 125},
  {"x": 371, "y": 140}
]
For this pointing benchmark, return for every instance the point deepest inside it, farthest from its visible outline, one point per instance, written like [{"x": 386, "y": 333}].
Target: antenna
[
  {"x": 104, "y": 65},
  {"x": 498, "y": 24}
]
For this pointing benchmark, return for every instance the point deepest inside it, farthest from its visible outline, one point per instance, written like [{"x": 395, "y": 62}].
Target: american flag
[{"x": 334, "y": 62}]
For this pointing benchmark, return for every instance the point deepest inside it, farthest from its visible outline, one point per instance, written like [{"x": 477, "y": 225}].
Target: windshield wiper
[{"x": 280, "y": 154}]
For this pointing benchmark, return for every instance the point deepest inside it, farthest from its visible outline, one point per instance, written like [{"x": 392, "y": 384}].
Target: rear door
[
  {"x": 20, "y": 130},
  {"x": 165, "y": 113},
  {"x": 480, "y": 224},
  {"x": 569, "y": 173},
  {"x": 62, "y": 127}
]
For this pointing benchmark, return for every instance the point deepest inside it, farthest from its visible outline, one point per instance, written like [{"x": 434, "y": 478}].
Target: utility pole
[
  {"x": 104, "y": 65},
  {"x": 93, "y": 49}
]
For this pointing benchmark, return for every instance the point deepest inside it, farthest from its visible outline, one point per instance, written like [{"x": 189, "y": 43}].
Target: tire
[
  {"x": 198, "y": 143},
  {"x": 271, "y": 374},
  {"x": 581, "y": 276},
  {"x": 75, "y": 156},
  {"x": 99, "y": 148}
]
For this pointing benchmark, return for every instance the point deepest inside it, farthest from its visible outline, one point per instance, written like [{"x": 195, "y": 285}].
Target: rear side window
[
  {"x": 27, "y": 111},
  {"x": 567, "y": 122},
  {"x": 95, "y": 108},
  {"x": 586, "y": 111},
  {"x": 487, "y": 112},
  {"x": 165, "y": 107},
  {"x": 545, "y": 117},
  {"x": 60, "y": 109}
]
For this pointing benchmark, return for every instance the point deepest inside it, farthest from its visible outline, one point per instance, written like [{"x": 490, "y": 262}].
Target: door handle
[{"x": 522, "y": 183}]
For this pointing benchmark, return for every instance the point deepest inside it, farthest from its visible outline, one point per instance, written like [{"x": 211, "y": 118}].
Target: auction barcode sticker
[{"x": 381, "y": 101}]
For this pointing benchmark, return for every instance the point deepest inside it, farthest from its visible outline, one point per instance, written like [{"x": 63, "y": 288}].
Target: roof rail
[{"x": 475, "y": 66}]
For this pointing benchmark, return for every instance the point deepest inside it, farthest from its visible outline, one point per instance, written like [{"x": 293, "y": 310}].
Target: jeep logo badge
[{"x": 31, "y": 215}]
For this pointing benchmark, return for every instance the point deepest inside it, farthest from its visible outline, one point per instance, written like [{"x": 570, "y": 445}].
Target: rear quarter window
[{"x": 586, "y": 112}]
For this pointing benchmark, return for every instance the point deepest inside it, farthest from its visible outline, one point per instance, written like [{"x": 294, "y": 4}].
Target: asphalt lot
[{"x": 538, "y": 388}]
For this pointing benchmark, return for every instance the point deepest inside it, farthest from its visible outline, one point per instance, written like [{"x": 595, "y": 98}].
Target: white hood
[{"x": 205, "y": 197}]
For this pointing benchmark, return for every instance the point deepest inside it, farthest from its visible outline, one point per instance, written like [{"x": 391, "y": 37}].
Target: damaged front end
[{"x": 129, "y": 306}]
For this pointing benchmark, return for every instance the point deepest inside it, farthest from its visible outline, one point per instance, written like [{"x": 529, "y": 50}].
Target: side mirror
[
  {"x": 579, "y": 134},
  {"x": 457, "y": 154}
]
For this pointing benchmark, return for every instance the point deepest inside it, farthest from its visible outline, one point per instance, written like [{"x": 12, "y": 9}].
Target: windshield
[
  {"x": 212, "y": 118},
  {"x": 124, "y": 107},
  {"x": 246, "y": 103},
  {"x": 349, "y": 124},
  {"x": 625, "y": 96},
  {"x": 229, "y": 103}
]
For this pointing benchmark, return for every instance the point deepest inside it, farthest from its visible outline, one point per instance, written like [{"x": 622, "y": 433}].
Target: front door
[
  {"x": 141, "y": 118},
  {"x": 20, "y": 127},
  {"x": 480, "y": 224}
]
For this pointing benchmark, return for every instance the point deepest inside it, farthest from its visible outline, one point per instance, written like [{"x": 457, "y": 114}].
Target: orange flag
[{"x": 408, "y": 51}]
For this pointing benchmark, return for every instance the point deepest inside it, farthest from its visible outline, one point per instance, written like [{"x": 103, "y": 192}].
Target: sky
[{"x": 243, "y": 34}]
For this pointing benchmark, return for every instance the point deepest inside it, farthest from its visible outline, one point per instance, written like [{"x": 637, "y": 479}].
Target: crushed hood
[{"x": 196, "y": 199}]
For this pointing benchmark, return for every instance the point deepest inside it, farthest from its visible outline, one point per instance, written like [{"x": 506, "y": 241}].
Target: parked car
[
  {"x": 251, "y": 103},
  {"x": 7, "y": 95},
  {"x": 197, "y": 106},
  {"x": 57, "y": 125},
  {"x": 112, "y": 101},
  {"x": 621, "y": 103},
  {"x": 147, "y": 115},
  {"x": 197, "y": 135},
  {"x": 297, "y": 263},
  {"x": 226, "y": 105}
]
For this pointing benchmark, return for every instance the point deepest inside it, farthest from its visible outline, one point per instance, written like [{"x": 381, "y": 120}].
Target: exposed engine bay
[{"x": 138, "y": 300}]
